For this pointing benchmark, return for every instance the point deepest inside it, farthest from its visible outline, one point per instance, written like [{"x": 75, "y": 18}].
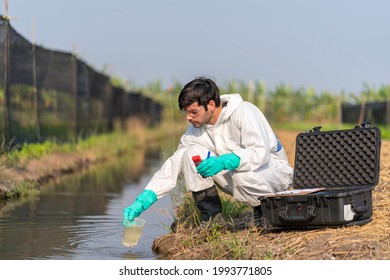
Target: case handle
[
  {"x": 310, "y": 215},
  {"x": 361, "y": 209}
]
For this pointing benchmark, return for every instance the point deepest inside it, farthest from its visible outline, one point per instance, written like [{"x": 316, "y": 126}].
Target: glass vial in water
[{"x": 132, "y": 233}]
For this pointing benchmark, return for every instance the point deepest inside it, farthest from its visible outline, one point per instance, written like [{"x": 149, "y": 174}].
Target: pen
[{"x": 208, "y": 154}]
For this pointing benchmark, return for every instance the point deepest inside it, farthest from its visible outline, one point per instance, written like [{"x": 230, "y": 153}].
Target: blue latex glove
[
  {"x": 213, "y": 165},
  {"x": 142, "y": 202}
]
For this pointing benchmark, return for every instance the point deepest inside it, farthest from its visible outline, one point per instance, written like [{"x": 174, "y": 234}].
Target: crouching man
[{"x": 241, "y": 154}]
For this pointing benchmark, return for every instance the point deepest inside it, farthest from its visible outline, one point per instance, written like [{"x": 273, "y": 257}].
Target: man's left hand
[{"x": 213, "y": 165}]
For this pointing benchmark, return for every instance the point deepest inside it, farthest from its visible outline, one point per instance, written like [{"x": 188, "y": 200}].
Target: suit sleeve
[{"x": 165, "y": 179}]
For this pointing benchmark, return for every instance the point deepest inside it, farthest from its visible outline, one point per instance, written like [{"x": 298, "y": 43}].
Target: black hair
[{"x": 201, "y": 90}]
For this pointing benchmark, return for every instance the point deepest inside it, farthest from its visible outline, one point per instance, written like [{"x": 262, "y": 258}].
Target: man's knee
[{"x": 250, "y": 193}]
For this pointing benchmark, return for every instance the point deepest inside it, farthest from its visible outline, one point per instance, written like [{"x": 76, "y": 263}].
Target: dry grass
[{"x": 370, "y": 241}]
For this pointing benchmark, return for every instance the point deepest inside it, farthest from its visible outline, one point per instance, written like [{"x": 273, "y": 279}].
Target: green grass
[
  {"x": 27, "y": 151},
  {"x": 237, "y": 247},
  {"x": 105, "y": 144},
  {"x": 23, "y": 190},
  {"x": 232, "y": 208},
  {"x": 188, "y": 214},
  {"x": 114, "y": 143}
]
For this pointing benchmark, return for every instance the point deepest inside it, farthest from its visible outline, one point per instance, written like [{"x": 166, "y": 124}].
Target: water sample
[{"x": 133, "y": 231}]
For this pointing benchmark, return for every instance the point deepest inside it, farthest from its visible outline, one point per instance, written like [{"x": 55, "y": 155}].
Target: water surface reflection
[{"x": 80, "y": 216}]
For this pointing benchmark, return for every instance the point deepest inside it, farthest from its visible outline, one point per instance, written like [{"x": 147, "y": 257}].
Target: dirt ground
[{"x": 370, "y": 241}]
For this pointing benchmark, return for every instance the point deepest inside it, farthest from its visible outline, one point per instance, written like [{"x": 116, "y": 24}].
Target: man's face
[{"x": 197, "y": 115}]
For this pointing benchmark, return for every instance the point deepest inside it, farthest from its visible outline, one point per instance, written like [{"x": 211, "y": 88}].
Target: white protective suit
[{"x": 241, "y": 128}]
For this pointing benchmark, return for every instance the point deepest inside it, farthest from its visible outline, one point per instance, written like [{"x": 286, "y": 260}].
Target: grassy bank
[{"x": 24, "y": 169}]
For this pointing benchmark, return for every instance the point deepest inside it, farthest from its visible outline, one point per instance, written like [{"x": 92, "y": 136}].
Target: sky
[{"x": 332, "y": 45}]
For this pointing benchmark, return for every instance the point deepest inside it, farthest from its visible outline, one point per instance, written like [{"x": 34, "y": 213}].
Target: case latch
[
  {"x": 315, "y": 129},
  {"x": 364, "y": 125},
  {"x": 283, "y": 211}
]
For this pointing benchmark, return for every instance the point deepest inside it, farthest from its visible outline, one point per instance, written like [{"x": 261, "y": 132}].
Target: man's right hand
[{"x": 142, "y": 202}]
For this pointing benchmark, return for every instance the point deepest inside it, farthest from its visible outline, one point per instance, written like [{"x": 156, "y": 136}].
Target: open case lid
[{"x": 340, "y": 159}]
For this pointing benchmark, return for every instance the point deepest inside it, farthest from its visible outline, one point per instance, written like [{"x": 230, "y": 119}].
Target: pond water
[{"x": 80, "y": 216}]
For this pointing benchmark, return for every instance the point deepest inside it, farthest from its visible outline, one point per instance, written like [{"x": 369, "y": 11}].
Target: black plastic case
[{"x": 345, "y": 163}]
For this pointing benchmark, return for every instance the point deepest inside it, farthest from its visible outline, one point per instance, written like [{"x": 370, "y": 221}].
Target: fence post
[
  {"x": 124, "y": 113},
  {"x": 88, "y": 97},
  {"x": 75, "y": 97},
  {"x": 36, "y": 92},
  {"x": 388, "y": 111},
  {"x": 109, "y": 112},
  {"x": 7, "y": 132}
]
